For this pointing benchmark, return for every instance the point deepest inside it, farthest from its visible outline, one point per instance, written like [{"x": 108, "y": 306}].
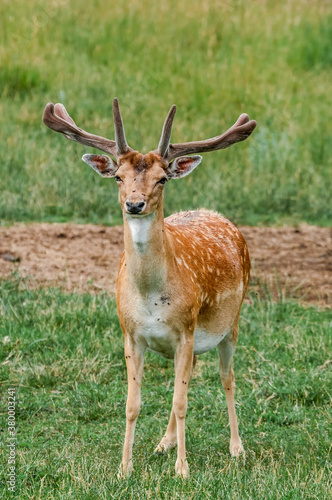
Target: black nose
[{"x": 134, "y": 208}]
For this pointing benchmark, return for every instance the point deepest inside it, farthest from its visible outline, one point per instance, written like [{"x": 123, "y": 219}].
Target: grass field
[
  {"x": 64, "y": 355},
  {"x": 214, "y": 59}
]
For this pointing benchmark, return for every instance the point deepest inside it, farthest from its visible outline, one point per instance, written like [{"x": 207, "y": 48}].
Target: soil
[{"x": 286, "y": 261}]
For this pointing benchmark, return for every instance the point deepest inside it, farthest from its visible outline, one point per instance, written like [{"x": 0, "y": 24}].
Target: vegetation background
[
  {"x": 63, "y": 353},
  {"x": 214, "y": 59}
]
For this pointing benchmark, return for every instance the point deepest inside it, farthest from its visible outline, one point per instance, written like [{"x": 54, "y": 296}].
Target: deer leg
[
  {"x": 226, "y": 350},
  {"x": 183, "y": 370},
  {"x": 134, "y": 361},
  {"x": 170, "y": 439}
]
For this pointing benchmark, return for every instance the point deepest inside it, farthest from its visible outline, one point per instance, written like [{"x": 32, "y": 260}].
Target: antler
[
  {"x": 241, "y": 129},
  {"x": 120, "y": 138},
  {"x": 166, "y": 133},
  {"x": 57, "y": 118}
]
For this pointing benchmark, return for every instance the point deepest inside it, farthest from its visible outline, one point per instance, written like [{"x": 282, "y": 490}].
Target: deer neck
[{"x": 146, "y": 250}]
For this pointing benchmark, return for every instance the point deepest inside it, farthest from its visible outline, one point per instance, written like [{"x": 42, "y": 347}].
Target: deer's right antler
[{"x": 56, "y": 118}]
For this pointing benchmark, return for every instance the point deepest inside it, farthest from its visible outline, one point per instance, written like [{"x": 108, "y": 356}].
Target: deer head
[{"x": 141, "y": 178}]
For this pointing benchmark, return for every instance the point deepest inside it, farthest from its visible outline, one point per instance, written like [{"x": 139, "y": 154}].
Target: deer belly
[
  {"x": 158, "y": 338},
  {"x": 205, "y": 341}
]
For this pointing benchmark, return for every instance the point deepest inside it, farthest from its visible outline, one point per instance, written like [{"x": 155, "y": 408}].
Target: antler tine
[
  {"x": 120, "y": 138},
  {"x": 166, "y": 133},
  {"x": 57, "y": 118},
  {"x": 240, "y": 131}
]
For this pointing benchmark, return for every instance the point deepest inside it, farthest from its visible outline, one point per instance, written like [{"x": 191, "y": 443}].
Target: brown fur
[
  {"x": 181, "y": 282},
  {"x": 193, "y": 274}
]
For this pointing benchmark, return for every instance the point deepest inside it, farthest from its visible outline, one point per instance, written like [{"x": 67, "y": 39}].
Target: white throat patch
[{"x": 139, "y": 227}]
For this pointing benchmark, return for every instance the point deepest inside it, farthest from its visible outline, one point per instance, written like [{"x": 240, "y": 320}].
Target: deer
[{"x": 181, "y": 280}]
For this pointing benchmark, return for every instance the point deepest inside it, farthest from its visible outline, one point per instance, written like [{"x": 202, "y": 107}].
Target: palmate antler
[
  {"x": 241, "y": 129},
  {"x": 56, "y": 118}
]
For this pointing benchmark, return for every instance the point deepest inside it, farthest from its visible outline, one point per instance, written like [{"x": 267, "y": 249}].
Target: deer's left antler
[{"x": 241, "y": 129}]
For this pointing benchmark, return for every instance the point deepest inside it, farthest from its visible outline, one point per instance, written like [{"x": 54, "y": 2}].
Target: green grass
[
  {"x": 213, "y": 59},
  {"x": 64, "y": 355}
]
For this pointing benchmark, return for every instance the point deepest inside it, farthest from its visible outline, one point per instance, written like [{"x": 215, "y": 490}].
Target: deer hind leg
[
  {"x": 135, "y": 361},
  {"x": 169, "y": 441},
  {"x": 226, "y": 350}
]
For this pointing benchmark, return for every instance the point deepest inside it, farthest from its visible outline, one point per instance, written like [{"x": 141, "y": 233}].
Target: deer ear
[
  {"x": 183, "y": 166},
  {"x": 103, "y": 164}
]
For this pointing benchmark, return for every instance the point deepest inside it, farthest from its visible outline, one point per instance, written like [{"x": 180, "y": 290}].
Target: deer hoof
[
  {"x": 236, "y": 448},
  {"x": 125, "y": 470},
  {"x": 182, "y": 468},
  {"x": 165, "y": 445}
]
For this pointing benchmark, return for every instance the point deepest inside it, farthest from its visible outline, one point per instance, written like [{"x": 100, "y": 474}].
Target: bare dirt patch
[{"x": 289, "y": 261}]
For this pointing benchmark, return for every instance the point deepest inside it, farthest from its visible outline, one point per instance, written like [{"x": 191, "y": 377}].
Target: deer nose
[{"x": 135, "y": 208}]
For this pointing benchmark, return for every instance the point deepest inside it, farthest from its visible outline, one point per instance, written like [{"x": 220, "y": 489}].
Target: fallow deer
[{"x": 181, "y": 280}]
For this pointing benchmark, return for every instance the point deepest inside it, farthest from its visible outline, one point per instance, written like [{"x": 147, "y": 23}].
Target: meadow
[
  {"x": 64, "y": 355},
  {"x": 63, "y": 352},
  {"x": 214, "y": 60}
]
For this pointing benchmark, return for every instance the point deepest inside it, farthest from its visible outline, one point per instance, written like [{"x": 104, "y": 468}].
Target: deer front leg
[
  {"x": 226, "y": 349},
  {"x": 169, "y": 441},
  {"x": 183, "y": 369},
  {"x": 134, "y": 361}
]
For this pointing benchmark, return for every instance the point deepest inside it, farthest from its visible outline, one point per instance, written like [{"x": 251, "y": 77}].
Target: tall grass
[
  {"x": 63, "y": 353},
  {"x": 214, "y": 59}
]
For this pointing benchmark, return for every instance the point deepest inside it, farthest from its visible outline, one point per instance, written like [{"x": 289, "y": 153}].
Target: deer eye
[
  {"x": 163, "y": 180},
  {"x": 117, "y": 178}
]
